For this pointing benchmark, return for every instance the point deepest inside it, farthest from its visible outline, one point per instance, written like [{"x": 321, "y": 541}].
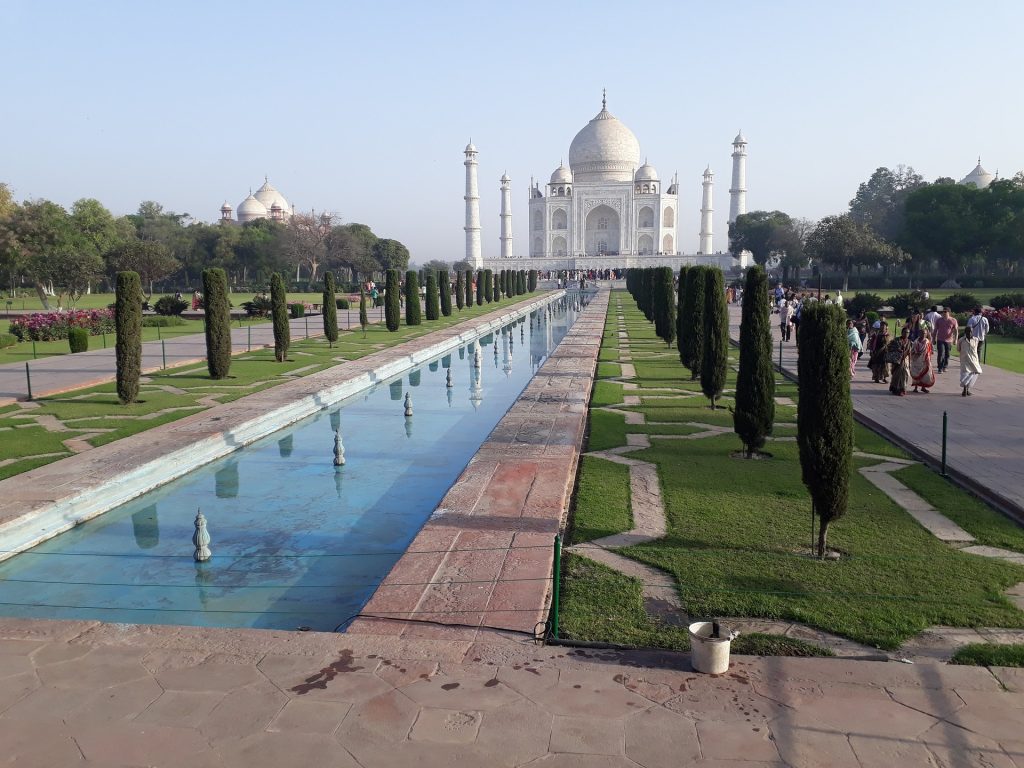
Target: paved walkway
[
  {"x": 984, "y": 431},
  {"x": 87, "y": 694},
  {"x": 63, "y": 373}
]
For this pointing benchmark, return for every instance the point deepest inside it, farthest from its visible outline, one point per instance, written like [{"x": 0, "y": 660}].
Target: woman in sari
[
  {"x": 921, "y": 371},
  {"x": 877, "y": 345},
  {"x": 970, "y": 365},
  {"x": 899, "y": 359}
]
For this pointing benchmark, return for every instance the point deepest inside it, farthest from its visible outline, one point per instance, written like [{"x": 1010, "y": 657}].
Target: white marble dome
[
  {"x": 562, "y": 175},
  {"x": 646, "y": 172},
  {"x": 604, "y": 150},
  {"x": 269, "y": 196},
  {"x": 979, "y": 177},
  {"x": 251, "y": 209}
]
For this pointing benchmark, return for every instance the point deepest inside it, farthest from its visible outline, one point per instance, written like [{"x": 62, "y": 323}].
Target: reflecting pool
[{"x": 296, "y": 542}]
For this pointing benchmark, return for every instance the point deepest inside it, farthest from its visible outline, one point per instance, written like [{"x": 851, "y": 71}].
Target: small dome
[
  {"x": 269, "y": 196},
  {"x": 251, "y": 207},
  {"x": 739, "y": 139},
  {"x": 504, "y": 177},
  {"x": 226, "y": 207},
  {"x": 276, "y": 207},
  {"x": 562, "y": 175},
  {"x": 646, "y": 172},
  {"x": 470, "y": 147},
  {"x": 979, "y": 177}
]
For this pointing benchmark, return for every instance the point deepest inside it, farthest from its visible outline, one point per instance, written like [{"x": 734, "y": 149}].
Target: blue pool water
[{"x": 296, "y": 542}]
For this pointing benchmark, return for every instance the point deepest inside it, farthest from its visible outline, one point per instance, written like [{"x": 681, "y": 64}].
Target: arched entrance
[{"x": 601, "y": 231}]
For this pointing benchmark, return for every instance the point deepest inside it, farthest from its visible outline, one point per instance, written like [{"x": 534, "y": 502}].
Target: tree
[
  {"x": 279, "y": 314},
  {"x": 715, "y": 362},
  {"x": 765, "y": 234},
  {"x": 152, "y": 260},
  {"x": 680, "y": 302},
  {"x": 445, "y": 287},
  {"x": 354, "y": 248},
  {"x": 330, "y": 310},
  {"x": 488, "y": 286},
  {"x": 460, "y": 290},
  {"x": 305, "y": 238},
  {"x": 128, "y": 330},
  {"x": 945, "y": 222},
  {"x": 217, "y": 310},
  {"x": 497, "y": 288},
  {"x": 479, "y": 287},
  {"x": 433, "y": 299},
  {"x": 532, "y": 286},
  {"x": 844, "y": 244},
  {"x": 879, "y": 202},
  {"x": 825, "y": 416},
  {"x": 413, "y": 314},
  {"x": 691, "y": 351},
  {"x": 664, "y": 305},
  {"x": 436, "y": 265},
  {"x": 469, "y": 287},
  {"x": 754, "y": 413},
  {"x": 392, "y": 302},
  {"x": 391, "y": 254},
  {"x": 364, "y": 320}
]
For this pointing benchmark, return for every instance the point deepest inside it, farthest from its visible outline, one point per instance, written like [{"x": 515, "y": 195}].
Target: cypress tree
[
  {"x": 520, "y": 283},
  {"x": 469, "y": 287},
  {"x": 497, "y": 289},
  {"x": 754, "y": 414},
  {"x": 693, "y": 337},
  {"x": 413, "y": 313},
  {"x": 128, "y": 328},
  {"x": 479, "y": 287},
  {"x": 488, "y": 286},
  {"x": 218, "y": 322},
  {"x": 715, "y": 363},
  {"x": 433, "y": 300},
  {"x": 330, "y": 310},
  {"x": 392, "y": 303},
  {"x": 825, "y": 415},
  {"x": 680, "y": 300},
  {"x": 279, "y": 312},
  {"x": 533, "y": 280},
  {"x": 664, "y": 305},
  {"x": 503, "y": 281},
  {"x": 444, "y": 286},
  {"x": 364, "y": 319},
  {"x": 460, "y": 289}
]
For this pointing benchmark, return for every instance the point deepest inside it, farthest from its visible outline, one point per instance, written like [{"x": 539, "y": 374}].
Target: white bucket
[{"x": 709, "y": 655}]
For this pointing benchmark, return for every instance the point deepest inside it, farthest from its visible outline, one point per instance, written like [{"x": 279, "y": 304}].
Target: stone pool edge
[{"x": 42, "y": 503}]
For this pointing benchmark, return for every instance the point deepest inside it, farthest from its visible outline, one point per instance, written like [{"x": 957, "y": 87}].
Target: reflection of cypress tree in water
[
  {"x": 432, "y": 366},
  {"x": 335, "y": 421},
  {"x": 462, "y": 353},
  {"x": 396, "y": 389},
  {"x": 408, "y": 426},
  {"x": 337, "y": 480},
  {"x": 451, "y": 396},
  {"x": 446, "y": 361},
  {"x": 285, "y": 446},
  {"x": 414, "y": 378},
  {"x": 204, "y": 577},
  {"x": 226, "y": 478},
  {"x": 146, "y": 527}
]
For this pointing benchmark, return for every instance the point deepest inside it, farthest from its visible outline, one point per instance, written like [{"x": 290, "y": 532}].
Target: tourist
[
  {"x": 839, "y": 298},
  {"x": 932, "y": 315},
  {"x": 915, "y": 323},
  {"x": 978, "y": 324},
  {"x": 945, "y": 333},
  {"x": 196, "y": 300},
  {"x": 921, "y": 370},
  {"x": 786, "y": 319},
  {"x": 877, "y": 343},
  {"x": 898, "y": 356},
  {"x": 853, "y": 339},
  {"x": 970, "y": 365}
]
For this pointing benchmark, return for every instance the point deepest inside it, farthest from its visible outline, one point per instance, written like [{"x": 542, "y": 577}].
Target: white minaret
[
  {"x": 706, "y": 209},
  {"x": 472, "y": 199},
  {"x": 738, "y": 193},
  {"x": 506, "y": 217}
]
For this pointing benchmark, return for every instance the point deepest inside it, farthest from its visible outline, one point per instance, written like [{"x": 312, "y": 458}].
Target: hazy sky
[{"x": 364, "y": 109}]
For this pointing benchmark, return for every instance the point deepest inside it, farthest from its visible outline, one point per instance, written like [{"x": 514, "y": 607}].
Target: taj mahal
[{"x": 606, "y": 209}]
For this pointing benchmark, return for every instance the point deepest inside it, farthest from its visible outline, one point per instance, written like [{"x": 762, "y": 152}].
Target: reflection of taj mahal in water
[{"x": 605, "y": 203}]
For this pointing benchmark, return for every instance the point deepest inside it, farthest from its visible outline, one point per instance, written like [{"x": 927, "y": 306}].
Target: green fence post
[
  {"x": 28, "y": 380},
  {"x": 780, "y": 355},
  {"x": 248, "y": 341},
  {"x": 158, "y": 336},
  {"x": 556, "y": 591},
  {"x": 306, "y": 318},
  {"x": 104, "y": 340},
  {"x": 33, "y": 349},
  {"x": 945, "y": 423},
  {"x": 163, "y": 352}
]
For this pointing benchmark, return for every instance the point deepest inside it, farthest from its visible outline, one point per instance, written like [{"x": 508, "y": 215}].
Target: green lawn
[
  {"x": 990, "y": 655},
  {"x": 738, "y": 532},
  {"x": 30, "y": 301},
  {"x": 1003, "y": 352}
]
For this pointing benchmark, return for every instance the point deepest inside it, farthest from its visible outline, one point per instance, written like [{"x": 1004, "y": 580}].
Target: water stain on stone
[
  {"x": 477, "y": 659},
  {"x": 577, "y": 686},
  {"x": 449, "y": 686},
  {"x": 403, "y": 670},
  {"x": 619, "y": 679},
  {"x": 534, "y": 671},
  {"x": 491, "y": 683},
  {"x": 328, "y": 673},
  {"x": 424, "y": 676}
]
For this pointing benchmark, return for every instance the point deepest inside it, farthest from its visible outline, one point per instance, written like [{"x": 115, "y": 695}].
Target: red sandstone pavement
[{"x": 984, "y": 432}]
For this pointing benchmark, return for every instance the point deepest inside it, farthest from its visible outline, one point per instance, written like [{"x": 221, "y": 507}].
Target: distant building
[
  {"x": 979, "y": 177},
  {"x": 265, "y": 203}
]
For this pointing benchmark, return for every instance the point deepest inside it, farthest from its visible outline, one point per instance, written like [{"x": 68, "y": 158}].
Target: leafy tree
[
  {"x": 692, "y": 339},
  {"x": 680, "y": 300},
  {"x": 279, "y": 314},
  {"x": 754, "y": 413},
  {"x": 765, "y": 234},
  {"x": 488, "y": 286},
  {"x": 879, "y": 202},
  {"x": 355, "y": 248},
  {"x": 460, "y": 290},
  {"x": 445, "y": 288},
  {"x": 392, "y": 301},
  {"x": 391, "y": 254},
  {"x": 364, "y": 320},
  {"x": 412, "y": 298},
  {"x": 532, "y": 282},
  {"x": 479, "y": 287},
  {"x": 436, "y": 265},
  {"x": 305, "y": 240},
  {"x": 433, "y": 299},
  {"x": 715, "y": 362},
  {"x": 469, "y": 287},
  {"x": 217, "y": 309},
  {"x": 128, "y": 329},
  {"x": 330, "y": 305},
  {"x": 664, "y": 305},
  {"x": 152, "y": 260},
  {"x": 945, "y": 222},
  {"x": 844, "y": 244},
  {"x": 825, "y": 415}
]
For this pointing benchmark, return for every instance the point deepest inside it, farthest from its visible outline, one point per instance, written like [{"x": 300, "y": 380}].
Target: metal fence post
[
  {"x": 248, "y": 342},
  {"x": 556, "y": 591},
  {"x": 163, "y": 352},
  {"x": 28, "y": 380},
  {"x": 945, "y": 423}
]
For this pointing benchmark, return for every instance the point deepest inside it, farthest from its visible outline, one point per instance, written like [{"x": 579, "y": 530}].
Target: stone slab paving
[{"x": 90, "y": 694}]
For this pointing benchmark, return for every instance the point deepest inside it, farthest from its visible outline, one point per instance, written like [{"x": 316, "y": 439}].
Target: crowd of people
[{"x": 910, "y": 357}]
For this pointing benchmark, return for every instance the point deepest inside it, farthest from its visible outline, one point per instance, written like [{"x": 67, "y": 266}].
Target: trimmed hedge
[
  {"x": 282, "y": 331},
  {"x": 460, "y": 289},
  {"x": 392, "y": 300},
  {"x": 330, "y": 304},
  {"x": 218, "y": 322},
  {"x": 341, "y": 303},
  {"x": 162, "y": 321},
  {"x": 445, "y": 288},
  {"x": 532, "y": 282},
  {"x": 78, "y": 340},
  {"x": 128, "y": 327},
  {"x": 169, "y": 305},
  {"x": 433, "y": 299},
  {"x": 296, "y": 309},
  {"x": 413, "y": 313}
]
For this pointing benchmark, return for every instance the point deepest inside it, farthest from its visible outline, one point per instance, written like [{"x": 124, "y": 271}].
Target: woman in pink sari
[{"x": 921, "y": 371}]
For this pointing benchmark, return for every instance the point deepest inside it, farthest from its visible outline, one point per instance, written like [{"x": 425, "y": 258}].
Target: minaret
[
  {"x": 706, "y": 209},
  {"x": 472, "y": 199},
  {"x": 738, "y": 193},
  {"x": 506, "y": 217}
]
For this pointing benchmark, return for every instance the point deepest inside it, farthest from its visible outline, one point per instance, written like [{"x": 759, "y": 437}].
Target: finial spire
[
  {"x": 979, "y": 159},
  {"x": 604, "y": 98}
]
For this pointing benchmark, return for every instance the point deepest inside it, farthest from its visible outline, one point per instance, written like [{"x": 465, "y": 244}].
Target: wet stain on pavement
[{"x": 328, "y": 673}]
